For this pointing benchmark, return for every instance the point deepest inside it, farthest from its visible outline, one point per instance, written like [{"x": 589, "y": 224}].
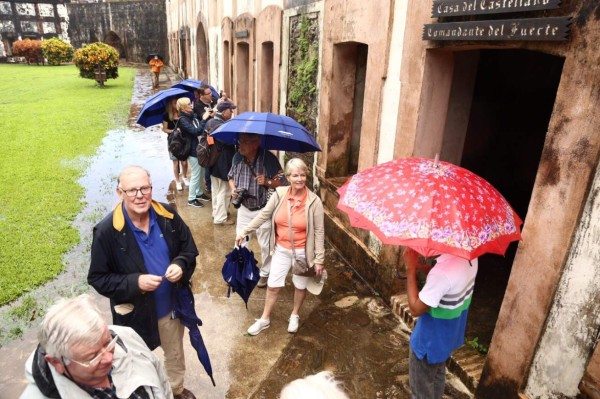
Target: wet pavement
[{"x": 348, "y": 329}]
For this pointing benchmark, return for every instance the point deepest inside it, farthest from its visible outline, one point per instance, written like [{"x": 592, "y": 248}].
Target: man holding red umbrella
[{"x": 442, "y": 307}]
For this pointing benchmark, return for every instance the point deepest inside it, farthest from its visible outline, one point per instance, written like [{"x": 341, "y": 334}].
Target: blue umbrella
[
  {"x": 184, "y": 309},
  {"x": 240, "y": 272},
  {"x": 279, "y": 132},
  {"x": 154, "y": 108},
  {"x": 193, "y": 84}
]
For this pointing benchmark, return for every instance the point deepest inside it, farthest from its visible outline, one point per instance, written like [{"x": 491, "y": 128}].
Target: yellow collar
[{"x": 119, "y": 217}]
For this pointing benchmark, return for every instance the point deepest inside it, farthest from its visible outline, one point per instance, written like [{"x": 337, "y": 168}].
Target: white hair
[
  {"x": 71, "y": 322},
  {"x": 295, "y": 164},
  {"x": 318, "y": 386}
]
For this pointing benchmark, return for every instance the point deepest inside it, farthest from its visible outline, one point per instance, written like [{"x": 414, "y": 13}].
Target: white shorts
[{"x": 281, "y": 263}]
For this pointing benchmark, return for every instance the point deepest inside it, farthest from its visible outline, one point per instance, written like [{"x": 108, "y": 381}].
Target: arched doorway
[
  {"x": 201, "y": 53},
  {"x": 112, "y": 39}
]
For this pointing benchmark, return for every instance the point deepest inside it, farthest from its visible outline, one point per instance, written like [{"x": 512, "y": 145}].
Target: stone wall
[{"x": 135, "y": 28}]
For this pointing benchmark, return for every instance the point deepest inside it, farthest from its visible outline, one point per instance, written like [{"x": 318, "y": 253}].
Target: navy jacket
[
  {"x": 193, "y": 127},
  {"x": 117, "y": 262}
]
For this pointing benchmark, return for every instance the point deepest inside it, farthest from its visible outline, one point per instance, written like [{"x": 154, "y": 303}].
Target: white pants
[
  {"x": 221, "y": 197},
  {"x": 196, "y": 179},
  {"x": 263, "y": 235},
  {"x": 281, "y": 263}
]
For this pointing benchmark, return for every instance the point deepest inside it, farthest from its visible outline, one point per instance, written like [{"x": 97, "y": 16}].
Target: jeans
[
  {"x": 426, "y": 380},
  {"x": 195, "y": 180}
]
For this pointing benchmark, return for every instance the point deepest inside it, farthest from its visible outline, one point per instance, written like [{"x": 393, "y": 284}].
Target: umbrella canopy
[
  {"x": 193, "y": 84},
  {"x": 155, "y": 106},
  {"x": 184, "y": 309},
  {"x": 240, "y": 272},
  {"x": 152, "y": 55},
  {"x": 279, "y": 132},
  {"x": 433, "y": 207}
]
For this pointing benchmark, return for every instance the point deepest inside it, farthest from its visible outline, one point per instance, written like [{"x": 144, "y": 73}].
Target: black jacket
[
  {"x": 226, "y": 151},
  {"x": 117, "y": 262},
  {"x": 192, "y": 127}
]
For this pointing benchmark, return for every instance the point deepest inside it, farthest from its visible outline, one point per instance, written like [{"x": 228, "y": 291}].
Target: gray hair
[
  {"x": 130, "y": 168},
  {"x": 71, "y": 322},
  {"x": 295, "y": 163},
  {"x": 318, "y": 386}
]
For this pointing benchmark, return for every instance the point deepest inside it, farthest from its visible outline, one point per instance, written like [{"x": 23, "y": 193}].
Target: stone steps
[{"x": 466, "y": 363}]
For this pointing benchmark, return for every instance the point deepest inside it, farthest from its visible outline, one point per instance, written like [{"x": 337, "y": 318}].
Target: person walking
[
  {"x": 156, "y": 64},
  {"x": 180, "y": 168},
  {"x": 80, "y": 356},
  {"x": 442, "y": 307},
  {"x": 254, "y": 171},
  {"x": 221, "y": 192},
  {"x": 193, "y": 127},
  {"x": 139, "y": 252},
  {"x": 295, "y": 215}
]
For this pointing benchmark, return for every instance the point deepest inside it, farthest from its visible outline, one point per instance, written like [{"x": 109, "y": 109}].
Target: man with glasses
[
  {"x": 205, "y": 110},
  {"x": 139, "y": 252},
  {"x": 79, "y": 356},
  {"x": 253, "y": 172}
]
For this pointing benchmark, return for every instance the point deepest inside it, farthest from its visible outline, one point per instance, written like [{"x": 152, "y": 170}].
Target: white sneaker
[
  {"x": 294, "y": 322},
  {"x": 179, "y": 187},
  {"x": 186, "y": 181},
  {"x": 258, "y": 326}
]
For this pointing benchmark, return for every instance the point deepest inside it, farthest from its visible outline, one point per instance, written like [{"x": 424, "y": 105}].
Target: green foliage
[
  {"x": 50, "y": 120},
  {"x": 475, "y": 344},
  {"x": 57, "y": 51},
  {"x": 30, "y": 49},
  {"x": 303, "y": 88},
  {"x": 93, "y": 55},
  {"x": 26, "y": 310}
]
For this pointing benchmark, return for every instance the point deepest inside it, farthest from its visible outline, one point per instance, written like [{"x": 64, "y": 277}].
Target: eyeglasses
[
  {"x": 132, "y": 192},
  {"x": 207, "y": 94},
  {"x": 94, "y": 362}
]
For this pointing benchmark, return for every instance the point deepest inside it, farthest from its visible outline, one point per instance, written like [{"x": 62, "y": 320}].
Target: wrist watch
[{"x": 269, "y": 183}]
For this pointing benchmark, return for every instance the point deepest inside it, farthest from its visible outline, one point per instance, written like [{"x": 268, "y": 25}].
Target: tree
[
  {"x": 57, "y": 51},
  {"x": 95, "y": 55},
  {"x": 30, "y": 49}
]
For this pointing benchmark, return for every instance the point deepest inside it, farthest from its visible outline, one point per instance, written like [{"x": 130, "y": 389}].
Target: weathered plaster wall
[
  {"x": 574, "y": 318},
  {"x": 141, "y": 25}
]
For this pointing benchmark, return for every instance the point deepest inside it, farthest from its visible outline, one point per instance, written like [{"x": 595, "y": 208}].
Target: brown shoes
[
  {"x": 262, "y": 282},
  {"x": 185, "y": 394}
]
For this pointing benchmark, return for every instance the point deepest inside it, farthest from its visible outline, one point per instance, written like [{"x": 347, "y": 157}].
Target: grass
[{"x": 52, "y": 119}]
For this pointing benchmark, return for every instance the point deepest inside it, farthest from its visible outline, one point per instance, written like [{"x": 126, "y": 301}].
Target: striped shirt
[{"x": 448, "y": 292}]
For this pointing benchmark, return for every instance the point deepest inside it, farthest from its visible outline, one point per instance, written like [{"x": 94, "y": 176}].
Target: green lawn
[{"x": 51, "y": 120}]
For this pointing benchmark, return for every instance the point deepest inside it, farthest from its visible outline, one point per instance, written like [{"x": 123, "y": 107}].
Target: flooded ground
[{"x": 348, "y": 329}]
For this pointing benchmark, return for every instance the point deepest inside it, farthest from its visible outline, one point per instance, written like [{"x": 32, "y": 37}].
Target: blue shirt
[{"x": 156, "y": 258}]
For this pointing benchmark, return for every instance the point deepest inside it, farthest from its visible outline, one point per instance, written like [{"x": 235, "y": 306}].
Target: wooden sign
[
  {"x": 538, "y": 29},
  {"x": 451, "y": 8}
]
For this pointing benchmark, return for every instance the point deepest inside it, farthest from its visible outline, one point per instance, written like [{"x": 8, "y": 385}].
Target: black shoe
[
  {"x": 196, "y": 204},
  {"x": 202, "y": 197}
]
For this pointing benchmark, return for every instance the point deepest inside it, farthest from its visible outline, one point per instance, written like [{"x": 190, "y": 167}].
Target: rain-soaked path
[{"x": 347, "y": 329}]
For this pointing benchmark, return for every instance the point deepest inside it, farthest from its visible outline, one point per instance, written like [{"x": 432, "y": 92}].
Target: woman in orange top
[{"x": 309, "y": 240}]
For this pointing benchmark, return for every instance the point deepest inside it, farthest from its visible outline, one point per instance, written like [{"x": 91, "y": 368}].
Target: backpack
[
  {"x": 180, "y": 144},
  {"x": 207, "y": 151}
]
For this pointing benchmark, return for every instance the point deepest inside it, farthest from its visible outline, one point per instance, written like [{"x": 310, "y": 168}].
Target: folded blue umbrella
[
  {"x": 240, "y": 272},
  {"x": 279, "y": 132},
  {"x": 154, "y": 108},
  {"x": 184, "y": 309},
  {"x": 193, "y": 84}
]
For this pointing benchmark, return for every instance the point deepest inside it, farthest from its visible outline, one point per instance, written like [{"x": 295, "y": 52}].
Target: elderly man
[
  {"x": 221, "y": 192},
  {"x": 79, "y": 356},
  {"x": 253, "y": 173},
  {"x": 139, "y": 252}
]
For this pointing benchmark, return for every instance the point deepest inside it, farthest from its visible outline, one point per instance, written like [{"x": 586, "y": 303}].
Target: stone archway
[
  {"x": 112, "y": 39},
  {"x": 201, "y": 54}
]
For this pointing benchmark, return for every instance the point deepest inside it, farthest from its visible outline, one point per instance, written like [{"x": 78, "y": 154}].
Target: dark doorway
[
  {"x": 512, "y": 104},
  {"x": 266, "y": 72}
]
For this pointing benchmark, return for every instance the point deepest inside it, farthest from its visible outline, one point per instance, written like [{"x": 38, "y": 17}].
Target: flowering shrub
[
  {"x": 93, "y": 55},
  {"x": 57, "y": 51},
  {"x": 30, "y": 49}
]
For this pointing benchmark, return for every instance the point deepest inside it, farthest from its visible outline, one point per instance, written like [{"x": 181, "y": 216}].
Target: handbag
[{"x": 299, "y": 265}]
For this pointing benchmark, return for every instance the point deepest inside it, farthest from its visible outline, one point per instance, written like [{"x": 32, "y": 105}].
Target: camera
[{"x": 242, "y": 194}]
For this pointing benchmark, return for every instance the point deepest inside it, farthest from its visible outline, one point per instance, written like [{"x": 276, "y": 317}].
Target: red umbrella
[{"x": 431, "y": 206}]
